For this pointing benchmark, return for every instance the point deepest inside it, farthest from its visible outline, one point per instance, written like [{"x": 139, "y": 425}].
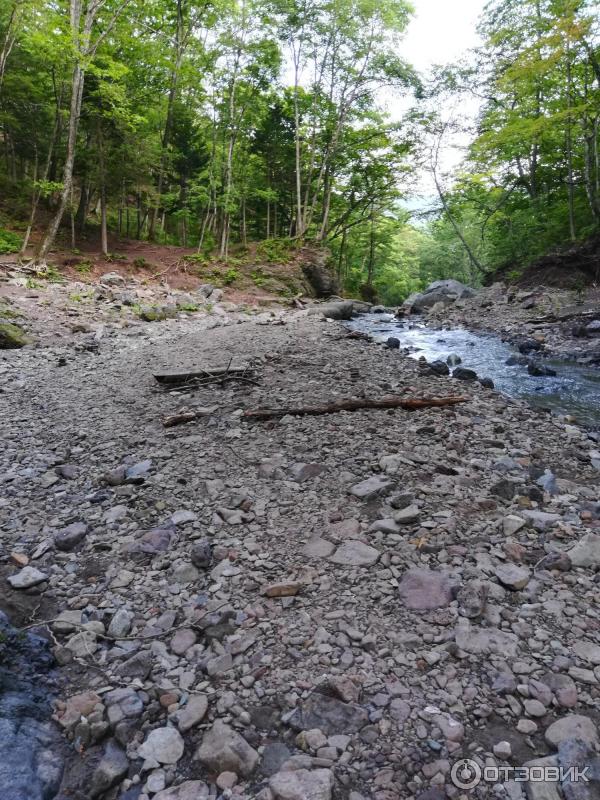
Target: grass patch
[{"x": 9, "y": 242}]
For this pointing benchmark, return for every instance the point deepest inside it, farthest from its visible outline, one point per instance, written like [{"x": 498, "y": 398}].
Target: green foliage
[
  {"x": 230, "y": 277},
  {"x": 84, "y": 267},
  {"x": 9, "y": 242},
  {"x": 275, "y": 250},
  {"x": 140, "y": 262}
]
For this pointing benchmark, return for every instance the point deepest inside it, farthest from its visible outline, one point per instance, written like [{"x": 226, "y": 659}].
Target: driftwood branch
[
  {"x": 392, "y": 401},
  {"x": 180, "y": 378}
]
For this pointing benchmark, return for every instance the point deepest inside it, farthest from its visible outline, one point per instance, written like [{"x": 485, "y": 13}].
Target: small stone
[
  {"x": 163, "y": 746},
  {"x": 586, "y": 552},
  {"x": 425, "y": 590},
  {"x": 407, "y": 515},
  {"x": 302, "y": 784},
  {"x": 188, "y": 790},
  {"x": 192, "y": 713},
  {"x": 503, "y": 750},
  {"x": 282, "y": 589},
  {"x": 512, "y": 524},
  {"x": 120, "y": 624},
  {"x": 372, "y": 487},
  {"x": 27, "y": 578},
  {"x": 512, "y": 576},
  {"x": 534, "y": 708},
  {"x": 182, "y": 640},
  {"x": 318, "y": 548},
  {"x": 224, "y": 750},
  {"x": 112, "y": 768},
  {"x": 201, "y": 555},
  {"x": 68, "y": 538},
  {"x": 355, "y": 553},
  {"x": 227, "y": 780}
]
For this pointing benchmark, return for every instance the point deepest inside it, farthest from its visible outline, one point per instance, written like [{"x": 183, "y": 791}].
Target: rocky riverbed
[{"x": 340, "y": 606}]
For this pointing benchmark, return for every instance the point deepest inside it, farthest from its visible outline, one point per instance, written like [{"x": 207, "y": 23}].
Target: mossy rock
[
  {"x": 157, "y": 313},
  {"x": 11, "y": 336}
]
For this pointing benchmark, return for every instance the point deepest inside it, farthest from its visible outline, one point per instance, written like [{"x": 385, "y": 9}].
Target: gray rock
[
  {"x": 445, "y": 292},
  {"x": 225, "y": 750},
  {"x": 512, "y": 576},
  {"x": 123, "y": 704},
  {"x": 120, "y": 624},
  {"x": 338, "y": 311},
  {"x": 586, "y": 552},
  {"x": 192, "y": 713},
  {"x": 68, "y": 538},
  {"x": 275, "y": 754},
  {"x": 407, "y": 515},
  {"x": 188, "y": 790},
  {"x": 162, "y": 746},
  {"x": 485, "y": 640},
  {"x": 27, "y": 578},
  {"x": 372, "y": 487},
  {"x": 112, "y": 768},
  {"x": 302, "y": 784},
  {"x": 573, "y": 726},
  {"x": 354, "y": 553},
  {"x": 329, "y": 715},
  {"x": 201, "y": 555},
  {"x": 425, "y": 590},
  {"x": 318, "y": 548},
  {"x": 138, "y": 666}
]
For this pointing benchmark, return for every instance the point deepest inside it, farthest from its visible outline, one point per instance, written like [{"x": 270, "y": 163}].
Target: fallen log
[
  {"x": 392, "y": 401},
  {"x": 178, "y": 378},
  {"x": 187, "y": 415}
]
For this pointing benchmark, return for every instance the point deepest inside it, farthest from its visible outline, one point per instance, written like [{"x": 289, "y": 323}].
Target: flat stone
[
  {"x": 27, "y": 578},
  {"x": 163, "y": 745},
  {"x": 372, "y": 487},
  {"x": 82, "y": 644},
  {"x": 425, "y": 589},
  {"x": 485, "y": 640},
  {"x": 188, "y": 790},
  {"x": 318, "y": 548},
  {"x": 586, "y": 552},
  {"x": 573, "y": 726},
  {"x": 541, "y": 520},
  {"x": 225, "y": 750},
  {"x": 182, "y": 640},
  {"x": 407, "y": 515},
  {"x": 587, "y": 651},
  {"x": 192, "y": 713},
  {"x": 302, "y": 784},
  {"x": 512, "y": 524},
  {"x": 512, "y": 576},
  {"x": 304, "y": 472},
  {"x": 77, "y": 706},
  {"x": 330, "y": 715},
  {"x": 282, "y": 589},
  {"x": 355, "y": 553},
  {"x": 138, "y": 666}
]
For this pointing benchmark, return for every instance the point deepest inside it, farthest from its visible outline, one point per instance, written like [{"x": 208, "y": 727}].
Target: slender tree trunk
[{"x": 569, "y": 137}]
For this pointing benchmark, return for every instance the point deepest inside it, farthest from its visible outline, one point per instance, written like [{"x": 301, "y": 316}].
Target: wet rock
[
  {"x": 487, "y": 383},
  {"x": 540, "y": 370},
  {"x": 223, "y": 749},
  {"x": 439, "y": 368},
  {"x": 514, "y": 361},
  {"x": 453, "y": 360},
  {"x": 464, "y": 374},
  {"x": 302, "y": 784},
  {"x": 392, "y": 343},
  {"x": 425, "y": 590},
  {"x": 444, "y": 291}
]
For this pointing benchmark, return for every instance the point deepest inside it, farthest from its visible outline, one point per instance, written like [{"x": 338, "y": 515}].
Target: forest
[{"x": 215, "y": 124}]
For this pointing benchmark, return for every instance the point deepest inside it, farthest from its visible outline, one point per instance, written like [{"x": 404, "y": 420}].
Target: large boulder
[
  {"x": 341, "y": 309},
  {"x": 320, "y": 277},
  {"x": 12, "y": 336},
  {"x": 444, "y": 292}
]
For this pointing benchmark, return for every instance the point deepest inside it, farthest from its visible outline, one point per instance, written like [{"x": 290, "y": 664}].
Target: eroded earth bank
[{"x": 341, "y": 606}]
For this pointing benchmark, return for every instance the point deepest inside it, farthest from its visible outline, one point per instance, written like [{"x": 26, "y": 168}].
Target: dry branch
[
  {"x": 179, "y": 378},
  {"x": 392, "y": 401}
]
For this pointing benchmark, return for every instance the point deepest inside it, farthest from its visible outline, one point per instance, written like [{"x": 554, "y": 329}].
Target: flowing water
[
  {"x": 31, "y": 745},
  {"x": 575, "y": 390}
]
